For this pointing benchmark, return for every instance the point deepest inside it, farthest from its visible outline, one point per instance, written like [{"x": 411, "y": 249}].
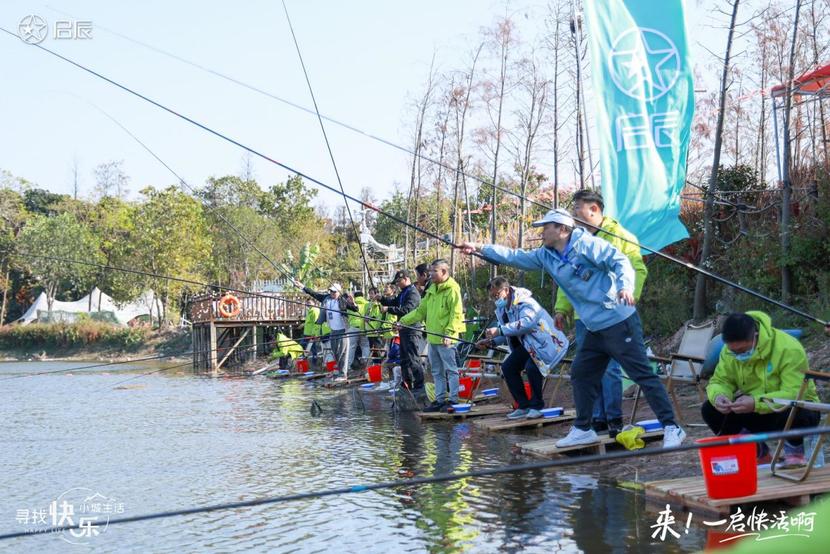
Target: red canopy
[{"x": 816, "y": 82}]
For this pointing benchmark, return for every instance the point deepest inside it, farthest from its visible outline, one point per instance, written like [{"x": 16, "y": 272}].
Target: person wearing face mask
[
  {"x": 536, "y": 345},
  {"x": 758, "y": 361},
  {"x": 599, "y": 282}
]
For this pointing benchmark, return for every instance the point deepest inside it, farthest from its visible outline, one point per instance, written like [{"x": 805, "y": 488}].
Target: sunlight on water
[{"x": 167, "y": 441}]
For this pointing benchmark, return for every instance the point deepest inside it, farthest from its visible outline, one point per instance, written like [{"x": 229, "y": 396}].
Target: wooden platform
[
  {"x": 547, "y": 448},
  {"x": 476, "y": 411},
  {"x": 504, "y": 424},
  {"x": 346, "y": 384},
  {"x": 689, "y": 493}
]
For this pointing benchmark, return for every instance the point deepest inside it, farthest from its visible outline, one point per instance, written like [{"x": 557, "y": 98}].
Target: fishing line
[
  {"x": 673, "y": 259},
  {"x": 518, "y": 468},
  {"x": 328, "y": 145}
]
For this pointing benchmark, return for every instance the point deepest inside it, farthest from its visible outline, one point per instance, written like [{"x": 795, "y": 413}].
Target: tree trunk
[
  {"x": 700, "y": 286},
  {"x": 6, "y": 275},
  {"x": 786, "y": 274},
  {"x": 504, "y": 35}
]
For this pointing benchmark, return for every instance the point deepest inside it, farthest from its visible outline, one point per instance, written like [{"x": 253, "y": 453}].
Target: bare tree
[
  {"x": 786, "y": 274},
  {"x": 110, "y": 180},
  {"x": 700, "y": 286}
]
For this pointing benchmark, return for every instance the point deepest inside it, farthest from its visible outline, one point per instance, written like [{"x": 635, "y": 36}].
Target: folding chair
[
  {"x": 683, "y": 366},
  {"x": 799, "y": 404}
]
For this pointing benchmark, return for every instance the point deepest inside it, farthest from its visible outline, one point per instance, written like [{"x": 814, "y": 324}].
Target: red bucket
[
  {"x": 473, "y": 364},
  {"x": 373, "y": 373},
  {"x": 302, "y": 366},
  {"x": 730, "y": 471},
  {"x": 466, "y": 385},
  {"x": 331, "y": 366}
]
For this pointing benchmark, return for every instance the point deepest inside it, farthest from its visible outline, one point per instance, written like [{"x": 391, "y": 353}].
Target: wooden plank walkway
[
  {"x": 476, "y": 411},
  {"x": 346, "y": 384},
  {"x": 547, "y": 448},
  {"x": 504, "y": 424},
  {"x": 689, "y": 493}
]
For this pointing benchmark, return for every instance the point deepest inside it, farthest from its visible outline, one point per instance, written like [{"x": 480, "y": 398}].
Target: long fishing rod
[
  {"x": 328, "y": 145},
  {"x": 163, "y": 356},
  {"x": 241, "y": 291},
  {"x": 500, "y": 470},
  {"x": 237, "y": 143},
  {"x": 673, "y": 259}
]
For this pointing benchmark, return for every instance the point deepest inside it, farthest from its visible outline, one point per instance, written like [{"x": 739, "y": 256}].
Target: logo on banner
[{"x": 640, "y": 56}]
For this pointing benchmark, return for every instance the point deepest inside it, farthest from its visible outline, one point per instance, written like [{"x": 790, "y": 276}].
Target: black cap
[{"x": 400, "y": 274}]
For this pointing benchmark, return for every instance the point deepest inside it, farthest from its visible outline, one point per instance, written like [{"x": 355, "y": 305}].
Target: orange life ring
[{"x": 229, "y": 306}]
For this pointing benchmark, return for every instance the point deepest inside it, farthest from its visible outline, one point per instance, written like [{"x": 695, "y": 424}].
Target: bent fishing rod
[
  {"x": 419, "y": 481},
  {"x": 668, "y": 257}
]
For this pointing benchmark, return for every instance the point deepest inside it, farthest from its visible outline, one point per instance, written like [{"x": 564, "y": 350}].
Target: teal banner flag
[{"x": 645, "y": 103}]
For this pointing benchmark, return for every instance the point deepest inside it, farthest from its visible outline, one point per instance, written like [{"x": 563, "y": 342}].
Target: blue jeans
[
  {"x": 623, "y": 342},
  {"x": 608, "y": 405},
  {"x": 444, "y": 368}
]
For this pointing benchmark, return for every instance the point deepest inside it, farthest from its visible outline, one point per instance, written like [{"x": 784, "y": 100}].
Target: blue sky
[{"x": 367, "y": 61}]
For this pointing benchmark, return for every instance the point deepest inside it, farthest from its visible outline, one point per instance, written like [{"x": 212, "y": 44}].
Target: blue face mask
[
  {"x": 501, "y": 303},
  {"x": 744, "y": 356}
]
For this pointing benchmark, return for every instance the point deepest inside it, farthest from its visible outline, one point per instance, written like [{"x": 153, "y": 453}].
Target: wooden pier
[
  {"x": 220, "y": 342},
  {"x": 547, "y": 448},
  {"x": 689, "y": 493},
  {"x": 504, "y": 424},
  {"x": 475, "y": 411}
]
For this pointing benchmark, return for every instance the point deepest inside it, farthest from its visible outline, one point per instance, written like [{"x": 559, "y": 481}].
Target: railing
[{"x": 260, "y": 307}]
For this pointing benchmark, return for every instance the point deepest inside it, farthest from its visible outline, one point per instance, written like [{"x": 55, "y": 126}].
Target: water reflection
[{"x": 182, "y": 440}]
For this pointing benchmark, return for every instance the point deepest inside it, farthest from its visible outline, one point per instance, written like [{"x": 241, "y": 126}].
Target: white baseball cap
[
  {"x": 335, "y": 287},
  {"x": 559, "y": 215}
]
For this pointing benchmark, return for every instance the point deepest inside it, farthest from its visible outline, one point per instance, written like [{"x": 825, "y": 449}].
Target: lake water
[{"x": 173, "y": 440}]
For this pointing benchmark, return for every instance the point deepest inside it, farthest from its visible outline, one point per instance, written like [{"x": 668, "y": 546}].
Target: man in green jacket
[
  {"x": 588, "y": 206},
  {"x": 313, "y": 334},
  {"x": 442, "y": 312},
  {"x": 758, "y": 361}
]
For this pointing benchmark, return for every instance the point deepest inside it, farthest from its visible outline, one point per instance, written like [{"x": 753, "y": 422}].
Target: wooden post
[{"x": 212, "y": 365}]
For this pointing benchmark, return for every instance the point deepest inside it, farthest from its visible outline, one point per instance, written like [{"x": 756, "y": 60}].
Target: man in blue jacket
[{"x": 598, "y": 280}]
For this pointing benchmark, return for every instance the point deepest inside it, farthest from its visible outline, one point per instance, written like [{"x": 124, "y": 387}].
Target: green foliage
[
  {"x": 67, "y": 335},
  {"x": 387, "y": 230},
  {"x": 60, "y": 236},
  {"x": 42, "y": 202}
]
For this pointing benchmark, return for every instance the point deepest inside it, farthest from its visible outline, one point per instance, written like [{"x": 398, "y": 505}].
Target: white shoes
[
  {"x": 673, "y": 436},
  {"x": 577, "y": 437}
]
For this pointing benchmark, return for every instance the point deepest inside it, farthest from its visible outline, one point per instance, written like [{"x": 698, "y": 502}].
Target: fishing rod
[
  {"x": 154, "y": 358},
  {"x": 500, "y": 470},
  {"x": 238, "y": 144},
  {"x": 669, "y": 257},
  {"x": 240, "y": 291},
  {"x": 328, "y": 145}
]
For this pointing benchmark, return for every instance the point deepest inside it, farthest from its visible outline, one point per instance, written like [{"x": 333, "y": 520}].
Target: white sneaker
[
  {"x": 673, "y": 436},
  {"x": 576, "y": 437}
]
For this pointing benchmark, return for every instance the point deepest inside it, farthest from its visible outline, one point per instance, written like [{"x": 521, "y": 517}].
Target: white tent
[{"x": 90, "y": 303}]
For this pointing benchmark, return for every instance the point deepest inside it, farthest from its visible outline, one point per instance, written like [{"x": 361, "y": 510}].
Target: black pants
[
  {"x": 512, "y": 367},
  {"x": 412, "y": 343},
  {"x": 624, "y": 343},
  {"x": 732, "y": 424}
]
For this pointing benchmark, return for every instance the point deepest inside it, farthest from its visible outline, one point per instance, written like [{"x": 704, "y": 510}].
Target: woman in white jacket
[{"x": 536, "y": 345}]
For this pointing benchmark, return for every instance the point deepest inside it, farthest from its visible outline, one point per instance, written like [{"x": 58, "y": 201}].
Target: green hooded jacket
[
  {"x": 384, "y": 328},
  {"x": 776, "y": 369},
  {"x": 608, "y": 227},
  {"x": 357, "y": 319},
  {"x": 441, "y": 310},
  {"x": 311, "y": 328},
  {"x": 285, "y": 346}
]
